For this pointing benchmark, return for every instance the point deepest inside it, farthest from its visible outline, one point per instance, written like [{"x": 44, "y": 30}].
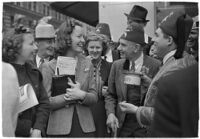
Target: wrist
[{"x": 83, "y": 94}]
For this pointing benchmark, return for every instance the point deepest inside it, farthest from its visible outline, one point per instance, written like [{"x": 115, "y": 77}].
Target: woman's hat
[{"x": 138, "y": 13}]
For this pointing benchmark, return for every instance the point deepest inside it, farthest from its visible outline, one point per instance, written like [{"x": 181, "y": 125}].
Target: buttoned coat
[
  {"x": 117, "y": 88},
  {"x": 60, "y": 119}
]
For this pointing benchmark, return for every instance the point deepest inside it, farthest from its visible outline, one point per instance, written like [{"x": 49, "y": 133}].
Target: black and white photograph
[{"x": 100, "y": 69}]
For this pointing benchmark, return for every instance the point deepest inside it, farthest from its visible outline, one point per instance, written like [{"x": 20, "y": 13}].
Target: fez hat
[
  {"x": 138, "y": 13},
  {"x": 103, "y": 28},
  {"x": 135, "y": 34},
  {"x": 44, "y": 30},
  {"x": 178, "y": 25}
]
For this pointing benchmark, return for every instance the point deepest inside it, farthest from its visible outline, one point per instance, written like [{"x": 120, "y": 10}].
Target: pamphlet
[{"x": 27, "y": 98}]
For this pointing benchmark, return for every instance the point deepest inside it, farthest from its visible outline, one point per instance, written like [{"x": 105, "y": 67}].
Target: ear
[
  {"x": 170, "y": 40},
  {"x": 137, "y": 48}
]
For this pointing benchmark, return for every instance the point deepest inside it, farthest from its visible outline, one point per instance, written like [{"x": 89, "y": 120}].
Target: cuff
[{"x": 138, "y": 115}]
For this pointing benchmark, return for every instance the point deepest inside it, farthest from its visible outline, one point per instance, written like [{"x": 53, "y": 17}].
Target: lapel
[
  {"x": 123, "y": 87},
  {"x": 82, "y": 69}
]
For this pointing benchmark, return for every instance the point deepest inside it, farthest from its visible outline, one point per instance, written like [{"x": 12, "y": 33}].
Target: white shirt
[
  {"x": 38, "y": 62},
  {"x": 109, "y": 57},
  {"x": 138, "y": 63},
  {"x": 168, "y": 55}
]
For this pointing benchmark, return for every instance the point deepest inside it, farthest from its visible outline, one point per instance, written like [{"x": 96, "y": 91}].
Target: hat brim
[{"x": 135, "y": 19}]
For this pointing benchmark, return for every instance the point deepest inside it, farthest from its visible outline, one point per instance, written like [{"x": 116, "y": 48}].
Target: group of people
[{"x": 144, "y": 87}]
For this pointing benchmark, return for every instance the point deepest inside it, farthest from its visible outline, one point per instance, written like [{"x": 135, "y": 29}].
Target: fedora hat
[{"x": 138, "y": 13}]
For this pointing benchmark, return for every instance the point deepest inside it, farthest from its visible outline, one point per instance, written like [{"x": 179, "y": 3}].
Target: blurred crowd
[{"x": 137, "y": 87}]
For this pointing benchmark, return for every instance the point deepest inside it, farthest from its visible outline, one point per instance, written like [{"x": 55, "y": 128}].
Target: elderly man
[
  {"x": 45, "y": 39},
  {"x": 169, "y": 41},
  {"x": 123, "y": 87}
]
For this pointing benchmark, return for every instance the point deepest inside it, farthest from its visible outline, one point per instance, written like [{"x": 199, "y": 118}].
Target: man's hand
[
  {"x": 127, "y": 107},
  {"x": 146, "y": 80},
  {"x": 36, "y": 133},
  {"x": 112, "y": 122},
  {"x": 104, "y": 91}
]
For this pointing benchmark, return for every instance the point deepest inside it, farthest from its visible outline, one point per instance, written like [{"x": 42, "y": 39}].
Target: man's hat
[
  {"x": 44, "y": 30},
  {"x": 103, "y": 28},
  {"x": 134, "y": 34},
  {"x": 138, "y": 13},
  {"x": 178, "y": 25}
]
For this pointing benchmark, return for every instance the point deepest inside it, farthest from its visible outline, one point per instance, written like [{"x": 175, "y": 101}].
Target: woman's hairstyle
[
  {"x": 12, "y": 43},
  {"x": 63, "y": 37},
  {"x": 93, "y": 36}
]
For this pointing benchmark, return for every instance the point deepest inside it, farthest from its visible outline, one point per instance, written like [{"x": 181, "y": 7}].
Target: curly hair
[
  {"x": 12, "y": 43},
  {"x": 63, "y": 40},
  {"x": 93, "y": 36}
]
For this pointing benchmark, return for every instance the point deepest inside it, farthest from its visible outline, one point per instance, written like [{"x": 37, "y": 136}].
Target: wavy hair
[
  {"x": 12, "y": 43},
  {"x": 63, "y": 39},
  {"x": 93, "y": 36}
]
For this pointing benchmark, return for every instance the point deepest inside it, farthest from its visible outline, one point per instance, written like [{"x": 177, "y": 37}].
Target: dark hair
[
  {"x": 93, "y": 36},
  {"x": 63, "y": 39},
  {"x": 12, "y": 43}
]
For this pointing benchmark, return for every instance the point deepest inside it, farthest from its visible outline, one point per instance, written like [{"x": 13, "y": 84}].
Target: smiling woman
[
  {"x": 95, "y": 48},
  {"x": 18, "y": 49},
  {"x": 71, "y": 115}
]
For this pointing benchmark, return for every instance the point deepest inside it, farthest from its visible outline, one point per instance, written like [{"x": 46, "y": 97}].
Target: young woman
[
  {"x": 95, "y": 48},
  {"x": 71, "y": 119},
  {"x": 18, "y": 49}
]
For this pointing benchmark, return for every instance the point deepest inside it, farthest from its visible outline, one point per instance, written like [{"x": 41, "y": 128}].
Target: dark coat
[
  {"x": 176, "y": 107},
  {"x": 41, "y": 111},
  {"x": 118, "y": 90}
]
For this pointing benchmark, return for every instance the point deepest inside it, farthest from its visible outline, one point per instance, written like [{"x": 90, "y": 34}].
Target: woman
[
  {"x": 18, "y": 49},
  {"x": 95, "y": 48},
  {"x": 71, "y": 119}
]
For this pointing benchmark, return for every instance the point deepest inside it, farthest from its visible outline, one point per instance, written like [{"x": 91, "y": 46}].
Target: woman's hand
[
  {"x": 74, "y": 93},
  {"x": 35, "y": 133},
  {"x": 127, "y": 107}
]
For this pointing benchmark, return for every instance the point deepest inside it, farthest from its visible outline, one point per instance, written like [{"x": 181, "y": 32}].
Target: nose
[
  {"x": 82, "y": 39},
  {"x": 35, "y": 47}
]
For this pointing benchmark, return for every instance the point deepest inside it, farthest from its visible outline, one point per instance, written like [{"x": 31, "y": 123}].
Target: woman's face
[
  {"x": 95, "y": 49},
  {"x": 28, "y": 48},
  {"x": 77, "y": 39}
]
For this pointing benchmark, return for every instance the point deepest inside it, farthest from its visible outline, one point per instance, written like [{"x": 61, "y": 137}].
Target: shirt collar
[
  {"x": 138, "y": 63},
  {"x": 168, "y": 55},
  {"x": 38, "y": 60}
]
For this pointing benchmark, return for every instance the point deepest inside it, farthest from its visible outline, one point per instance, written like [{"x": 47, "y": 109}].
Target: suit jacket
[
  {"x": 60, "y": 120},
  {"x": 118, "y": 90},
  {"x": 145, "y": 113},
  {"x": 176, "y": 106}
]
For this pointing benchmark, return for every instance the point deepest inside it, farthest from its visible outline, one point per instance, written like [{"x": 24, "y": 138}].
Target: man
[
  {"x": 45, "y": 39},
  {"x": 192, "y": 45},
  {"x": 138, "y": 15},
  {"x": 176, "y": 106},
  {"x": 133, "y": 61},
  {"x": 111, "y": 54},
  {"x": 169, "y": 41}
]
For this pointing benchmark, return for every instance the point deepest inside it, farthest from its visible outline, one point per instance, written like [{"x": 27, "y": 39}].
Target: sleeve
[
  {"x": 111, "y": 98},
  {"x": 91, "y": 94},
  {"x": 57, "y": 101},
  {"x": 42, "y": 110}
]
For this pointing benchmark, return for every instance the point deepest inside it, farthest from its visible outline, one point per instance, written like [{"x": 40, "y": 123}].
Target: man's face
[
  {"x": 127, "y": 49},
  {"x": 160, "y": 43},
  {"x": 131, "y": 22},
  {"x": 193, "y": 37},
  {"x": 46, "y": 47}
]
